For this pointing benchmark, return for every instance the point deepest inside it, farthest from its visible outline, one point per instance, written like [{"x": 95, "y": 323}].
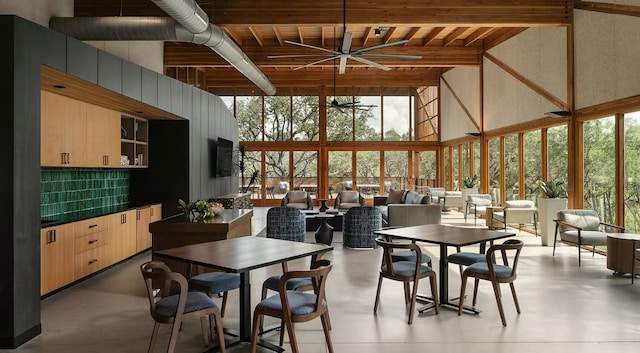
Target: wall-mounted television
[{"x": 221, "y": 153}]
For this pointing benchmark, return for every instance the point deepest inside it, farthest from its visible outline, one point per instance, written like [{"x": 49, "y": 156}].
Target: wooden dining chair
[
  {"x": 497, "y": 273},
  {"x": 405, "y": 271},
  {"x": 293, "y": 306},
  {"x": 215, "y": 284},
  {"x": 174, "y": 309}
]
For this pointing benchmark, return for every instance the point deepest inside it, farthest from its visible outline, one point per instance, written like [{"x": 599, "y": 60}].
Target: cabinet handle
[
  {"x": 50, "y": 236},
  {"x": 93, "y": 261},
  {"x": 92, "y": 226},
  {"x": 92, "y": 241},
  {"x": 68, "y": 158},
  {"x": 55, "y": 235},
  {"x": 123, "y": 218},
  {"x": 65, "y": 157}
]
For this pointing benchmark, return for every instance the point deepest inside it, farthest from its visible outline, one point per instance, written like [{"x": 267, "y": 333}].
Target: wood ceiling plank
[
  {"x": 477, "y": 35},
  {"x": 278, "y": 35},
  {"x": 454, "y": 35},
  {"x": 627, "y": 10},
  {"x": 234, "y": 35},
  {"x": 256, "y": 34},
  {"x": 432, "y": 35},
  {"x": 368, "y": 34},
  {"x": 389, "y": 35},
  {"x": 411, "y": 34}
]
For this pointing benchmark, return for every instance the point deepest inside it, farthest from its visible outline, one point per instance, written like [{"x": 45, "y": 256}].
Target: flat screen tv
[{"x": 221, "y": 152}]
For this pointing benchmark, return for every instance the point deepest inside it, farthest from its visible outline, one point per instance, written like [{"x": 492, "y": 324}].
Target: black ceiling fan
[{"x": 345, "y": 51}]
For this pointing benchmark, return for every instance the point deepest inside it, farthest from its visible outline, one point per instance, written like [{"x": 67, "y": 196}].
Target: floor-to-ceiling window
[
  {"x": 494, "y": 169},
  {"x": 305, "y": 171},
  {"x": 368, "y": 173},
  {"x": 511, "y": 170},
  {"x": 396, "y": 164},
  {"x": 532, "y": 164},
  {"x": 599, "y": 167},
  {"x": 632, "y": 172},
  {"x": 340, "y": 171}
]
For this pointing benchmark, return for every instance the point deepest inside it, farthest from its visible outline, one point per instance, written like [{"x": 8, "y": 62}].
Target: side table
[
  {"x": 621, "y": 251},
  {"x": 324, "y": 234},
  {"x": 489, "y": 216},
  {"x": 323, "y": 205}
]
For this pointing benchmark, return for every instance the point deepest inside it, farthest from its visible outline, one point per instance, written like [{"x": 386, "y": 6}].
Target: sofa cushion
[
  {"x": 479, "y": 201},
  {"x": 412, "y": 197},
  {"x": 395, "y": 196}
]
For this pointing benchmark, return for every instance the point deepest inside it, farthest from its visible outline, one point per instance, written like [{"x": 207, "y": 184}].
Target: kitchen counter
[{"x": 78, "y": 216}]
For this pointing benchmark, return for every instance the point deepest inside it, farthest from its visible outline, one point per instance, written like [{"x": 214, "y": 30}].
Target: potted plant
[
  {"x": 469, "y": 187},
  {"x": 555, "y": 200}
]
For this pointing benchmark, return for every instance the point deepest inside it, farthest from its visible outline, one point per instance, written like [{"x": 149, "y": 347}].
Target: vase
[{"x": 547, "y": 212}]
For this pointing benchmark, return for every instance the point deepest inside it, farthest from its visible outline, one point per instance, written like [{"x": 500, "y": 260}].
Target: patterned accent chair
[
  {"x": 297, "y": 199},
  {"x": 359, "y": 225},
  {"x": 286, "y": 223},
  {"x": 347, "y": 199}
]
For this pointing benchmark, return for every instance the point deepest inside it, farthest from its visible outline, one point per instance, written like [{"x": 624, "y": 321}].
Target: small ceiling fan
[{"x": 345, "y": 51}]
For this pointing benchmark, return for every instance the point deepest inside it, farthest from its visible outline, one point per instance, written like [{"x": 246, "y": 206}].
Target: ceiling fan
[
  {"x": 342, "y": 106},
  {"x": 345, "y": 51}
]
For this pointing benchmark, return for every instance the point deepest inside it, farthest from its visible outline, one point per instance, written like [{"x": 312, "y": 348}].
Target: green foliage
[
  {"x": 470, "y": 182},
  {"x": 553, "y": 189},
  {"x": 196, "y": 211}
]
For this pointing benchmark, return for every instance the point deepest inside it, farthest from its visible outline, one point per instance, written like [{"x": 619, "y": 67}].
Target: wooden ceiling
[{"x": 446, "y": 33}]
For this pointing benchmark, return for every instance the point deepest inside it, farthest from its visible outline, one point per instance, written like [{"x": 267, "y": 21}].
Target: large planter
[{"x": 547, "y": 212}]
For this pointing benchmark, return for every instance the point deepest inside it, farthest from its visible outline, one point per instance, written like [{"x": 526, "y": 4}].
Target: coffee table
[
  {"x": 621, "y": 251},
  {"x": 313, "y": 223}
]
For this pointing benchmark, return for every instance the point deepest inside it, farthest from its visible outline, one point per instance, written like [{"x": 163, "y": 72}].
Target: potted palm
[
  {"x": 469, "y": 187},
  {"x": 554, "y": 200}
]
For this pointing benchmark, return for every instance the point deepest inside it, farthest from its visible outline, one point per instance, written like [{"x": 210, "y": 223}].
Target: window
[
  {"x": 396, "y": 115},
  {"x": 249, "y": 116},
  {"x": 368, "y": 173},
  {"x": 532, "y": 164},
  {"x": 599, "y": 167},
  {"x": 395, "y": 170},
  {"x": 305, "y": 171},
  {"x": 632, "y": 172},
  {"x": 494, "y": 169},
  {"x": 511, "y": 170},
  {"x": 340, "y": 171},
  {"x": 277, "y": 116},
  {"x": 305, "y": 112}
]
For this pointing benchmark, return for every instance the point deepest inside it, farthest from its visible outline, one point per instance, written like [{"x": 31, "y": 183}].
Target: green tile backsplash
[{"x": 67, "y": 190}]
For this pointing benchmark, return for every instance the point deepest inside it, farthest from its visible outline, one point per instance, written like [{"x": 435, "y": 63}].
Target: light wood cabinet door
[
  {"x": 143, "y": 236},
  {"x": 63, "y": 131},
  {"x": 155, "y": 213},
  {"x": 90, "y": 261},
  {"x": 103, "y": 137},
  {"x": 57, "y": 257},
  {"x": 122, "y": 236}
]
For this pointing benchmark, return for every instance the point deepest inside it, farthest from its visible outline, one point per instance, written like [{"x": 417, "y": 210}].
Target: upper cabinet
[
  {"x": 63, "y": 131},
  {"x": 79, "y": 134},
  {"x": 134, "y": 138}
]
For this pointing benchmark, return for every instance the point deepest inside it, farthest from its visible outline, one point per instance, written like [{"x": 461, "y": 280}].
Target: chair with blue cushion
[
  {"x": 216, "y": 283},
  {"x": 495, "y": 272},
  {"x": 174, "y": 309},
  {"x": 293, "y": 306},
  {"x": 406, "y": 272},
  {"x": 359, "y": 225}
]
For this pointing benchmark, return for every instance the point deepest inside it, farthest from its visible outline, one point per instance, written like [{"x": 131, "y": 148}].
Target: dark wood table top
[
  {"x": 242, "y": 254},
  {"x": 445, "y": 235}
]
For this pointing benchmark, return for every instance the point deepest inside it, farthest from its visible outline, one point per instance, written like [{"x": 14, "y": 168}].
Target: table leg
[
  {"x": 633, "y": 260},
  {"x": 245, "y": 307}
]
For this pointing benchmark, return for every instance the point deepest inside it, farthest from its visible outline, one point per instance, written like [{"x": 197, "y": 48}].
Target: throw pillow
[{"x": 395, "y": 196}]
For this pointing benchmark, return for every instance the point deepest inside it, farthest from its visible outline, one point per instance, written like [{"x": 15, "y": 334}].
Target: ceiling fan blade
[
  {"x": 391, "y": 56},
  {"x": 346, "y": 43},
  {"x": 385, "y": 45},
  {"x": 314, "y": 63},
  {"x": 296, "y": 56},
  {"x": 343, "y": 64},
  {"x": 311, "y": 47},
  {"x": 371, "y": 63}
]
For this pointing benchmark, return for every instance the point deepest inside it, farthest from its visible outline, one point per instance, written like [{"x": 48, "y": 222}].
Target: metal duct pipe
[
  {"x": 161, "y": 28},
  {"x": 187, "y": 12}
]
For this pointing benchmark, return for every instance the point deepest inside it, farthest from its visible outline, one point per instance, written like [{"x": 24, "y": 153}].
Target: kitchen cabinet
[
  {"x": 103, "y": 135},
  {"x": 63, "y": 131},
  {"x": 144, "y": 216},
  {"x": 122, "y": 235},
  {"x": 57, "y": 257},
  {"x": 134, "y": 140}
]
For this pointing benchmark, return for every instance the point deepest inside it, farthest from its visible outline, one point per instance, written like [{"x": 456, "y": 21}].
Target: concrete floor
[{"x": 565, "y": 308}]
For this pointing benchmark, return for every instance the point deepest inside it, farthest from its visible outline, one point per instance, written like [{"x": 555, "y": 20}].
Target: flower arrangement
[{"x": 200, "y": 210}]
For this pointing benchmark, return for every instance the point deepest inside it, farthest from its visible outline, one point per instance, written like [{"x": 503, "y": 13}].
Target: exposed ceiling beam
[
  {"x": 412, "y": 33},
  {"x": 256, "y": 34},
  {"x": 387, "y": 37},
  {"x": 453, "y": 36},
  {"x": 368, "y": 33},
  {"x": 278, "y": 35},
  {"x": 477, "y": 35},
  {"x": 608, "y": 8},
  {"x": 432, "y": 36}
]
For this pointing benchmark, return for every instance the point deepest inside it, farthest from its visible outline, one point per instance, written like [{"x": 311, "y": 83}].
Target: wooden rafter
[
  {"x": 387, "y": 37},
  {"x": 432, "y": 35},
  {"x": 256, "y": 34},
  {"x": 412, "y": 33},
  {"x": 455, "y": 35},
  {"x": 461, "y": 103}
]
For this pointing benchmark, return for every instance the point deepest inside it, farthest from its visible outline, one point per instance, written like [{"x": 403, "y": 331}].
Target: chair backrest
[
  {"x": 510, "y": 253},
  {"x": 519, "y": 211},
  {"x": 318, "y": 274},
  {"x": 480, "y": 199},
  {"x": 286, "y": 223},
  {"x": 585, "y": 219},
  {"x": 359, "y": 225},
  {"x": 159, "y": 273},
  {"x": 386, "y": 268},
  {"x": 349, "y": 196}
]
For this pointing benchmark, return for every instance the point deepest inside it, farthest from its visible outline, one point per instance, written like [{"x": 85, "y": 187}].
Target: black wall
[{"x": 178, "y": 166}]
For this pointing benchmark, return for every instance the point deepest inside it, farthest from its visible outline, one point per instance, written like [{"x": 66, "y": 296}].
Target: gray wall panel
[
  {"x": 176, "y": 96},
  {"x": 110, "y": 71},
  {"x": 164, "y": 93},
  {"x": 149, "y": 87},
  {"x": 82, "y": 60},
  {"x": 131, "y": 80}
]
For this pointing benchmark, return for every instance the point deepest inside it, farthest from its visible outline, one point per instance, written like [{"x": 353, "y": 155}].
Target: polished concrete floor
[{"x": 565, "y": 308}]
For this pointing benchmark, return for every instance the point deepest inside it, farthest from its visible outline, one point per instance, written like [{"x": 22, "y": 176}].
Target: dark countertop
[
  {"x": 226, "y": 216},
  {"x": 81, "y": 215}
]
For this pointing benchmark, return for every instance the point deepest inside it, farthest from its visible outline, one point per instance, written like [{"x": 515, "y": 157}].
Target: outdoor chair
[
  {"x": 517, "y": 212},
  {"x": 581, "y": 227},
  {"x": 293, "y": 306},
  {"x": 406, "y": 272},
  {"x": 495, "y": 272},
  {"x": 174, "y": 309},
  {"x": 297, "y": 199}
]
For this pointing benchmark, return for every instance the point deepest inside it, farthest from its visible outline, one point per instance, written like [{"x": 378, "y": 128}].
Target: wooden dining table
[
  {"x": 445, "y": 236},
  {"x": 241, "y": 255}
]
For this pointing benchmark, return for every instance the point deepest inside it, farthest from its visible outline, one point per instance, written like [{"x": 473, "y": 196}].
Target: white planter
[
  {"x": 547, "y": 212},
  {"x": 468, "y": 191}
]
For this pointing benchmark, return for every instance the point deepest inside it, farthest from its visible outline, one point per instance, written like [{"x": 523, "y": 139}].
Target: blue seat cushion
[
  {"x": 292, "y": 284},
  {"x": 408, "y": 255},
  {"x": 466, "y": 258},
  {"x": 168, "y": 306},
  {"x": 483, "y": 268},
  {"x": 216, "y": 282},
  {"x": 300, "y": 303},
  {"x": 406, "y": 268}
]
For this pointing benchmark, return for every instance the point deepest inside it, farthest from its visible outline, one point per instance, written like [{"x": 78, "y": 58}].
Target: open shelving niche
[{"x": 134, "y": 139}]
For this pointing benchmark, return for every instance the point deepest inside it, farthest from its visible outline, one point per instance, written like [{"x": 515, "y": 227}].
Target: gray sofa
[{"x": 407, "y": 208}]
